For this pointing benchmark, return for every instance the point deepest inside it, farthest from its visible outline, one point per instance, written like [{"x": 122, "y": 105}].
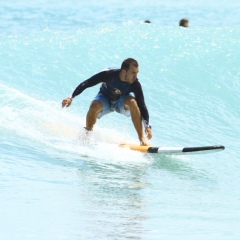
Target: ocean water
[{"x": 56, "y": 183}]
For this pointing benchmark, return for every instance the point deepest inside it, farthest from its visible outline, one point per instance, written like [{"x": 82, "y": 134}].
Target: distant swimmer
[
  {"x": 121, "y": 91},
  {"x": 184, "y": 22},
  {"x": 147, "y": 21}
]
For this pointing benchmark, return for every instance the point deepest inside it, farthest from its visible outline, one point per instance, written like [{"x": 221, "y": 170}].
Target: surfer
[{"x": 120, "y": 91}]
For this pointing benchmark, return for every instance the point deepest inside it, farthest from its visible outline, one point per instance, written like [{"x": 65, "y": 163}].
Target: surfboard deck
[{"x": 174, "y": 150}]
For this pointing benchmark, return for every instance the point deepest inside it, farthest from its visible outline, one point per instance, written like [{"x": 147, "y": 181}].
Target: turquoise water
[{"x": 56, "y": 184}]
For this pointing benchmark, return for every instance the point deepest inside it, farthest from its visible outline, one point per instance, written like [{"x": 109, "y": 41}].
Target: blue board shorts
[{"x": 111, "y": 106}]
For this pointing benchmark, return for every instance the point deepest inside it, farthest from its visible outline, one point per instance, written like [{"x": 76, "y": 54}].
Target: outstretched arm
[{"x": 94, "y": 80}]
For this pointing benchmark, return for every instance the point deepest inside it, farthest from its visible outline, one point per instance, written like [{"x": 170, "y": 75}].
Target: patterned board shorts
[{"x": 110, "y": 106}]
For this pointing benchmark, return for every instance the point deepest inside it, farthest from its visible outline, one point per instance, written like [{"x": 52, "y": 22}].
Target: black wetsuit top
[{"x": 113, "y": 89}]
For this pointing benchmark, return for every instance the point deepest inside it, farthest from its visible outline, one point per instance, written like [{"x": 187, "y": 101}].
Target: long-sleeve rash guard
[{"x": 113, "y": 89}]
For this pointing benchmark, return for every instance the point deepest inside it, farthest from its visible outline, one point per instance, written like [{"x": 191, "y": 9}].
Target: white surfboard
[{"x": 174, "y": 150}]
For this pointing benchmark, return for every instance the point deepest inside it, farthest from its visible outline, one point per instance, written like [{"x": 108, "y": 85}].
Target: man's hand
[
  {"x": 148, "y": 132},
  {"x": 66, "y": 102}
]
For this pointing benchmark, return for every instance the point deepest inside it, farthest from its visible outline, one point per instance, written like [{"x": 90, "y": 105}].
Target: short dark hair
[
  {"x": 127, "y": 62},
  {"x": 183, "y": 21}
]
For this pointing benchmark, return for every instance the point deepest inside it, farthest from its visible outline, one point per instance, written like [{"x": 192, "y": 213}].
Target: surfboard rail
[{"x": 174, "y": 150}]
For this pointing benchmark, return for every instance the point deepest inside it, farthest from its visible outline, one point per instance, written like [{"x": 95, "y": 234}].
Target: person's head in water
[
  {"x": 147, "y": 21},
  {"x": 184, "y": 22}
]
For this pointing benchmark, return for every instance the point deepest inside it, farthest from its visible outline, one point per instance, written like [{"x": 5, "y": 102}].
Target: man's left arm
[{"x": 139, "y": 96}]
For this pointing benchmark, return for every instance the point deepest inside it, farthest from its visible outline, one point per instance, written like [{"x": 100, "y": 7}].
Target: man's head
[{"x": 129, "y": 70}]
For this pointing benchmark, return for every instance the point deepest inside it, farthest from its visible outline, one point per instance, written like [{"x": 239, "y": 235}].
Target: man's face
[{"x": 131, "y": 74}]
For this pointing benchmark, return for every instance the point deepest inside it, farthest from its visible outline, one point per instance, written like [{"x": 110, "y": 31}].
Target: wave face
[{"x": 56, "y": 178}]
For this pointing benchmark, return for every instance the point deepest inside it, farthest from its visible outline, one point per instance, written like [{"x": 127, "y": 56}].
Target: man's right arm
[{"x": 94, "y": 80}]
